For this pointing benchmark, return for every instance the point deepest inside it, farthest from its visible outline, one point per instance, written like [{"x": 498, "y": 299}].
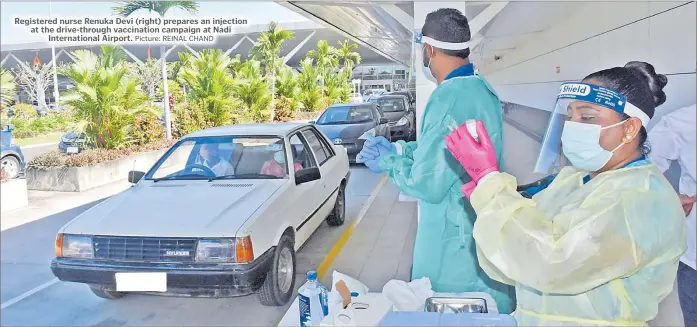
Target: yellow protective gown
[{"x": 603, "y": 253}]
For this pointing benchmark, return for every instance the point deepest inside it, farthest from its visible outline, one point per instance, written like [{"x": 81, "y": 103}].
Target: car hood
[
  {"x": 345, "y": 131},
  {"x": 177, "y": 209}
]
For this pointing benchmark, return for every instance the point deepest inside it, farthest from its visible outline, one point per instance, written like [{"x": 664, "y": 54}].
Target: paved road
[
  {"x": 32, "y": 152},
  {"x": 27, "y": 250}
]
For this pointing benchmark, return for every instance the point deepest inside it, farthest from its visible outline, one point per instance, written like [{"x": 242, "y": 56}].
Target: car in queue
[
  {"x": 11, "y": 156},
  {"x": 72, "y": 142},
  {"x": 367, "y": 94},
  {"x": 411, "y": 96},
  {"x": 221, "y": 213},
  {"x": 348, "y": 124},
  {"x": 402, "y": 120}
]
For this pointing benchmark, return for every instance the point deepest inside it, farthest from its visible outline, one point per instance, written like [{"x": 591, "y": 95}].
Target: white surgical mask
[
  {"x": 581, "y": 145},
  {"x": 279, "y": 157}
]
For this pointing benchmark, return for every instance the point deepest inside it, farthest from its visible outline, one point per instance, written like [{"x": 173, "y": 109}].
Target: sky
[{"x": 256, "y": 12}]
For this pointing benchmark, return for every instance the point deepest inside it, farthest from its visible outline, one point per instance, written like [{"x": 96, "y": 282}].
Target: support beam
[
  {"x": 131, "y": 55},
  {"x": 62, "y": 51},
  {"x": 23, "y": 64},
  {"x": 250, "y": 39},
  {"x": 399, "y": 15},
  {"x": 2, "y": 63},
  {"x": 191, "y": 50},
  {"x": 229, "y": 51},
  {"x": 296, "y": 49},
  {"x": 170, "y": 50}
]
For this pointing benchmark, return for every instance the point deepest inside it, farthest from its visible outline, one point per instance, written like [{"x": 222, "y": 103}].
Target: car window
[
  {"x": 301, "y": 151},
  {"x": 328, "y": 148},
  {"x": 345, "y": 115},
  {"x": 220, "y": 157},
  {"x": 391, "y": 104},
  {"x": 316, "y": 146}
]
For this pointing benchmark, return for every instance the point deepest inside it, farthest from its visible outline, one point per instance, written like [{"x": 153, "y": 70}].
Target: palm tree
[
  {"x": 8, "y": 88},
  {"x": 327, "y": 60},
  {"x": 161, "y": 8},
  {"x": 105, "y": 98},
  {"x": 346, "y": 54},
  {"x": 268, "y": 51},
  {"x": 309, "y": 92},
  {"x": 253, "y": 91},
  {"x": 210, "y": 84}
]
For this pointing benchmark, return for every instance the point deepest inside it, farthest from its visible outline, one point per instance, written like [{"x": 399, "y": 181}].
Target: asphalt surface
[
  {"x": 32, "y": 152},
  {"x": 31, "y": 296}
]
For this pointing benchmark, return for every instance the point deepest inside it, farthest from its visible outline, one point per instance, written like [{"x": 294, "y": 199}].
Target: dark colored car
[
  {"x": 402, "y": 120},
  {"x": 345, "y": 123},
  {"x": 12, "y": 161},
  {"x": 72, "y": 142},
  {"x": 411, "y": 95}
]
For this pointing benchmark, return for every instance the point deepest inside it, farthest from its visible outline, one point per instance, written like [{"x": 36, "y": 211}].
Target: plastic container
[{"x": 309, "y": 301}]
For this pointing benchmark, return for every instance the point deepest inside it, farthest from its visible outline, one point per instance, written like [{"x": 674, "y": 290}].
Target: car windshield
[
  {"x": 391, "y": 104},
  {"x": 222, "y": 157},
  {"x": 345, "y": 115}
]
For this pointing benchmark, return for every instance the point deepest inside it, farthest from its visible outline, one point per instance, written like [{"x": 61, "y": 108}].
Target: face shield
[
  {"x": 420, "y": 42},
  {"x": 551, "y": 157}
]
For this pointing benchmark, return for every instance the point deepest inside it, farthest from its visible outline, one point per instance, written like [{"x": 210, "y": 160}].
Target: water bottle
[
  {"x": 309, "y": 303},
  {"x": 323, "y": 298}
]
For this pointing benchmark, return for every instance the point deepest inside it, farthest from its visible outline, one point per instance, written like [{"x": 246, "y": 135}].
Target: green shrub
[
  {"x": 146, "y": 128},
  {"x": 89, "y": 157},
  {"x": 189, "y": 118},
  {"x": 285, "y": 109},
  {"x": 24, "y": 110},
  {"x": 21, "y": 127}
]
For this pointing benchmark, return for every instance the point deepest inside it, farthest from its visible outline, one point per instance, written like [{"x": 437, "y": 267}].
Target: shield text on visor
[{"x": 551, "y": 157}]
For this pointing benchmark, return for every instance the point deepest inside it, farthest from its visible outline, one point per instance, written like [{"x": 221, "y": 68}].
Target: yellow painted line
[{"x": 336, "y": 249}]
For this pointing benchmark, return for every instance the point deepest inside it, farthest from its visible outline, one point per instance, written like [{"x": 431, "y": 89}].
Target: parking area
[{"x": 28, "y": 286}]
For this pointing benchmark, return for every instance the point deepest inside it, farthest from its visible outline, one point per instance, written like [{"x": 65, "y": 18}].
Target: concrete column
[{"x": 424, "y": 87}]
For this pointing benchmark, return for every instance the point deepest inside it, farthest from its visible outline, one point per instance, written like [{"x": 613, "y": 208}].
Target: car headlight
[
  {"x": 225, "y": 250},
  {"x": 74, "y": 246},
  {"x": 369, "y": 134},
  {"x": 402, "y": 121}
]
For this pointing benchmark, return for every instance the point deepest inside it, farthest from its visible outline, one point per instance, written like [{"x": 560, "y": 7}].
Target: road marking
[
  {"x": 28, "y": 293},
  {"x": 24, "y": 147},
  {"x": 336, "y": 249}
]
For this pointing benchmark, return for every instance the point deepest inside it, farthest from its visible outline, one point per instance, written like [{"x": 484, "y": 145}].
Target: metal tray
[{"x": 455, "y": 305}]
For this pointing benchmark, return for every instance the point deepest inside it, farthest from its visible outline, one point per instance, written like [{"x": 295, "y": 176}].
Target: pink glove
[
  {"x": 468, "y": 188},
  {"x": 479, "y": 159}
]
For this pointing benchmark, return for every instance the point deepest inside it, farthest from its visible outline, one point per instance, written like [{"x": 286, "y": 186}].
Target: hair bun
[{"x": 655, "y": 81}]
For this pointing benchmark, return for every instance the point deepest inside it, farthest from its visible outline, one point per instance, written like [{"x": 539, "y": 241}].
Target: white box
[{"x": 141, "y": 282}]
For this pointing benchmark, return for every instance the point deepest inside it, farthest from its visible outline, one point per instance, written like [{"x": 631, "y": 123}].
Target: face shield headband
[
  {"x": 420, "y": 39},
  {"x": 550, "y": 157}
]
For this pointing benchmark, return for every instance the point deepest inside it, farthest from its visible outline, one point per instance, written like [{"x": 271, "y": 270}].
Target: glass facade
[{"x": 388, "y": 77}]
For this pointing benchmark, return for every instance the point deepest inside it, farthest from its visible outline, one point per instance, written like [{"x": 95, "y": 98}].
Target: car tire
[
  {"x": 338, "y": 214},
  {"x": 105, "y": 293},
  {"x": 279, "y": 284},
  {"x": 12, "y": 165}
]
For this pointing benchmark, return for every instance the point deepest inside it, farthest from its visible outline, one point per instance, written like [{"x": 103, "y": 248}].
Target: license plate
[
  {"x": 72, "y": 149},
  {"x": 141, "y": 282}
]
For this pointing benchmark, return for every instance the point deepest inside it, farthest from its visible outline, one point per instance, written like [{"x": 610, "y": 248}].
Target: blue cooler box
[{"x": 406, "y": 319}]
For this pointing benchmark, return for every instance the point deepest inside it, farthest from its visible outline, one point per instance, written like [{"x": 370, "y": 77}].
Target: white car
[{"x": 222, "y": 213}]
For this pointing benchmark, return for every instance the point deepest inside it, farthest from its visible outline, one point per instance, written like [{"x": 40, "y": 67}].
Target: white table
[{"x": 379, "y": 305}]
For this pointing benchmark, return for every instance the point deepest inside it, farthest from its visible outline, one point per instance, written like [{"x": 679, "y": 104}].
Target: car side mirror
[
  {"x": 307, "y": 175},
  {"x": 383, "y": 120},
  {"x": 134, "y": 176},
  {"x": 311, "y": 122},
  {"x": 10, "y": 127}
]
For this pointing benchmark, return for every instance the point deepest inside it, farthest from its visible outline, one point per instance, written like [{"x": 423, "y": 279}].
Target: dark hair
[
  {"x": 448, "y": 25},
  {"x": 640, "y": 84}
]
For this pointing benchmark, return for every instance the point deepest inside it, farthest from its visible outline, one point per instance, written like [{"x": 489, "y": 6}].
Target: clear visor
[{"x": 551, "y": 157}]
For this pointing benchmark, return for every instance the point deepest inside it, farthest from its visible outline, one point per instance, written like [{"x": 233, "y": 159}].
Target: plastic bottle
[
  {"x": 309, "y": 303},
  {"x": 323, "y": 298}
]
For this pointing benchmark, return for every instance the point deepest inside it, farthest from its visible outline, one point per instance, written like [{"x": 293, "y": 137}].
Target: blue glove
[{"x": 373, "y": 150}]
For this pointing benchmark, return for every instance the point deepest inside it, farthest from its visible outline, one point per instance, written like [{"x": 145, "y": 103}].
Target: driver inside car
[{"x": 211, "y": 159}]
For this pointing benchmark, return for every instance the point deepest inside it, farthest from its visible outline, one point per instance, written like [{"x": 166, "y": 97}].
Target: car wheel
[
  {"x": 280, "y": 280},
  {"x": 10, "y": 165},
  {"x": 338, "y": 215},
  {"x": 105, "y": 293}
]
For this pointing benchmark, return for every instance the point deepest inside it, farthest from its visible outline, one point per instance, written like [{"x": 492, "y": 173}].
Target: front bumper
[
  {"x": 400, "y": 132},
  {"x": 205, "y": 280}
]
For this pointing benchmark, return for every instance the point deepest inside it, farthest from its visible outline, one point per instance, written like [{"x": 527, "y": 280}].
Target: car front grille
[{"x": 144, "y": 249}]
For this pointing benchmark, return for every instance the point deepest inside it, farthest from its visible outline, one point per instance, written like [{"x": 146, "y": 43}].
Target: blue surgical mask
[
  {"x": 427, "y": 67},
  {"x": 581, "y": 145},
  {"x": 279, "y": 157}
]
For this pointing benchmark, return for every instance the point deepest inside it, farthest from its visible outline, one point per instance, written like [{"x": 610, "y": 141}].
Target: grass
[{"x": 41, "y": 139}]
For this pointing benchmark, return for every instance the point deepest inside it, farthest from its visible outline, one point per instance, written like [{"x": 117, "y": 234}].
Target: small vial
[{"x": 472, "y": 128}]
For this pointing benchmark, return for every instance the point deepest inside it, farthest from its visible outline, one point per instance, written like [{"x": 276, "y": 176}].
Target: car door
[{"x": 306, "y": 197}]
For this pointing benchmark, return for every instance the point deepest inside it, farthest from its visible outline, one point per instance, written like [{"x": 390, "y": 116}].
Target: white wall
[{"x": 599, "y": 36}]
